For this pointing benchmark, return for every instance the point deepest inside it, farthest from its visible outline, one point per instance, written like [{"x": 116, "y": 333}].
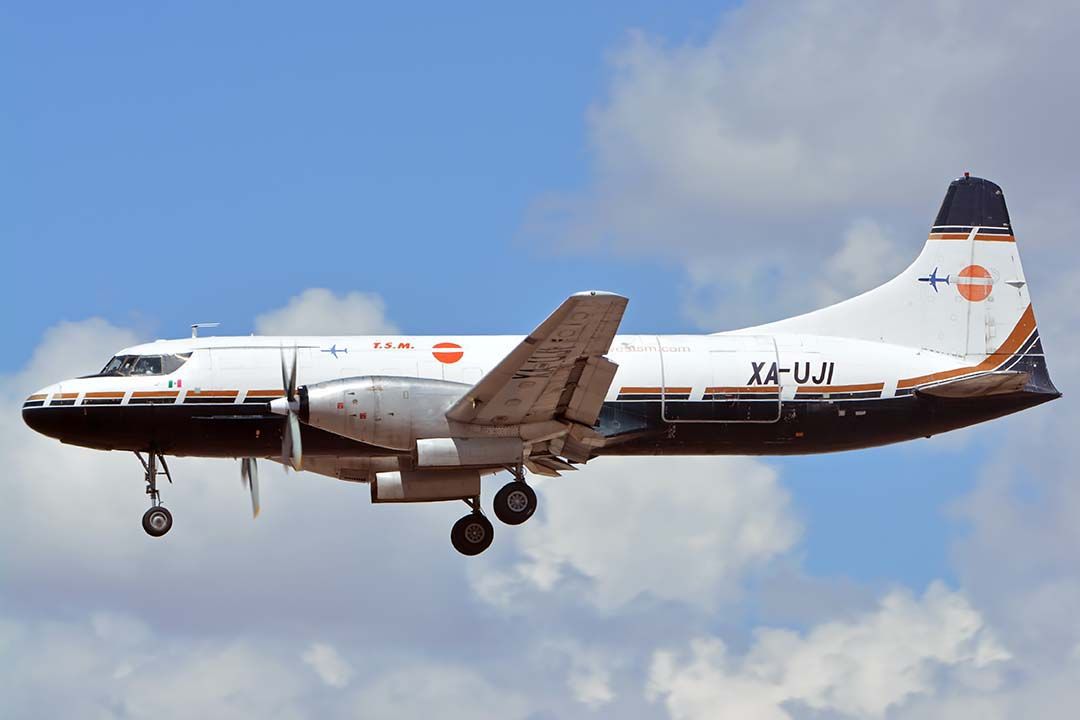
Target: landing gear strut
[
  {"x": 157, "y": 520},
  {"x": 516, "y": 501},
  {"x": 472, "y": 534}
]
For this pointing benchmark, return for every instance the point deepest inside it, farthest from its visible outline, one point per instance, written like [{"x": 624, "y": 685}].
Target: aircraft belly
[{"x": 804, "y": 428}]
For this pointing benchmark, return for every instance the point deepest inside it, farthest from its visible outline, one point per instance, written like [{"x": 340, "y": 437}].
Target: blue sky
[
  {"x": 471, "y": 166},
  {"x": 199, "y": 162}
]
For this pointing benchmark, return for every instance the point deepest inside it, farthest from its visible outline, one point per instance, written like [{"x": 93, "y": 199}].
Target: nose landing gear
[{"x": 157, "y": 520}]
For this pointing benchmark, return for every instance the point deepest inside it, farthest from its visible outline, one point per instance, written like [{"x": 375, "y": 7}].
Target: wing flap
[{"x": 588, "y": 393}]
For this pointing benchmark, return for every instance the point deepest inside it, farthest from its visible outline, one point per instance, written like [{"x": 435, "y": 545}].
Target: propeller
[
  {"x": 249, "y": 476},
  {"x": 289, "y": 406}
]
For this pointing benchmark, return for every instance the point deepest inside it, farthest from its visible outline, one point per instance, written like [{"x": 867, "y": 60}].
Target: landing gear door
[{"x": 746, "y": 379}]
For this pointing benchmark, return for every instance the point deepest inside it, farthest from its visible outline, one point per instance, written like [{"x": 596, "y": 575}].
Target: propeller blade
[
  {"x": 286, "y": 442},
  {"x": 290, "y": 388},
  {"x": 249, "y": 476},
  {"x": 254, "y": 474},
  {"x": 285, "y": 372},
  {"x": 296, "y": 453}
]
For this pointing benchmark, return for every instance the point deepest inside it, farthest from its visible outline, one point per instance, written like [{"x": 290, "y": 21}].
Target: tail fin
[{"x": 965, "y": 295}]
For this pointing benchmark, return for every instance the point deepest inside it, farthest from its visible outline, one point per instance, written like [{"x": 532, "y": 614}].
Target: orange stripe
[
  {"x": 213, "y": 393},
  {"x": 641, "y": 390},
  {"x": 265, "y": 393},
  {"x": 1020, "y": 333},
  {"x": 155, "y": 394},
  {"x": 104, "y": 395},
  {"x": 964, "y": 236},
  {"x": 841, "y": 388},
  {"x": 36, "y": 397},
  {"x": 754, "y": 389}
]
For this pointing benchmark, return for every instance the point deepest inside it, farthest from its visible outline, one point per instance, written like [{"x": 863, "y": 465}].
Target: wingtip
[{"x": 599, "y": 293}]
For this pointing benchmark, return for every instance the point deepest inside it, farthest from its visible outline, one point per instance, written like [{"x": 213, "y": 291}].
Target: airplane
[
  {"x": 933, "y": 279},
  {"x": 424, "y": 419}
]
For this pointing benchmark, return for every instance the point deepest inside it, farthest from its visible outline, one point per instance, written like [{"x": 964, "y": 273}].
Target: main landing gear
[
  {"x": 514, "y": 504},
  {"x": 472, "y": 534},
  {"x": 157, "y": 520}
]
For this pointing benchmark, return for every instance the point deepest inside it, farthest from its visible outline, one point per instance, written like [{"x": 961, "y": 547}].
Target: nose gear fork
[{"x": 157, "y": 520}]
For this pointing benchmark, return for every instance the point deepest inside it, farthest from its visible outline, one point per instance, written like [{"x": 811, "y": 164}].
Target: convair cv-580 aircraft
[{"x": 950, "y": 342}]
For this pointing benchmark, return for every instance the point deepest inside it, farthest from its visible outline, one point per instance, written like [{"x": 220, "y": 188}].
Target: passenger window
[{"x": 148, "y": 365}]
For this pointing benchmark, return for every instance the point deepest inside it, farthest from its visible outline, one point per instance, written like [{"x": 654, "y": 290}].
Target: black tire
[
  {"x": 515, "y": 503},
  {"x": 472, "y": 534},
  {"x": 157, "y": 521}
]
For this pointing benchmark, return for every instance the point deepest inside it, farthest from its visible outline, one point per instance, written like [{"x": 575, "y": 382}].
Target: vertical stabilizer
[{"x": 965, "y": 295}]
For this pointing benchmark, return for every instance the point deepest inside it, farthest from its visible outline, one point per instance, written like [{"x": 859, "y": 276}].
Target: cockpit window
[
  {"x": 123, "y": 365},
  {"x": 172, "y": 363},
  {"x": 147, "y": 365},
  {"x": 128, "y": 365},
  {"x": 113, "y": 366}
]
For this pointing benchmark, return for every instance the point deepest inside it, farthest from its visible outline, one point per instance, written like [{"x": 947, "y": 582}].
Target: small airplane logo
[
  {"x": 933, "y": 279},
  {"x": 334, "y": 350}
]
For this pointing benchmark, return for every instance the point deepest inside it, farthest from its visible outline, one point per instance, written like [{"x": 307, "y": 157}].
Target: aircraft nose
[{"x": 36, "y": 415}]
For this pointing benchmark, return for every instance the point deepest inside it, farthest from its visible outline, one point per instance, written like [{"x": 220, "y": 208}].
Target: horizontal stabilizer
[{"x": 985, "y": 385}]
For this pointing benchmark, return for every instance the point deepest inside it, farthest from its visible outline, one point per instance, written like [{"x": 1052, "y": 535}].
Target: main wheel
[
  {"x": 472, "y": 534},
  {"x": 157, "y": 521},
  {"x": 515, "y": 503}
]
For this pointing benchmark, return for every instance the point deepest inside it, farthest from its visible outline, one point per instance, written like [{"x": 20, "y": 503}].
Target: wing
[{"x": 558, "y": 372}]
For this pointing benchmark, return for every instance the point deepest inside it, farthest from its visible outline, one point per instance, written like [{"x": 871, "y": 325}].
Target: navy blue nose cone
[{"x": 36, "y": 415}]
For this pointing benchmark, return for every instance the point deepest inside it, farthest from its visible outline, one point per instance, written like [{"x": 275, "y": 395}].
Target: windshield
[{"x": 144, "y": 364}]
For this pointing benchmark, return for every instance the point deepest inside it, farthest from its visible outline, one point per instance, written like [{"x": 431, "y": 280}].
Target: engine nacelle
[
  {"x": 391, "y": 412},
  {"x": 425, "y": 486}
]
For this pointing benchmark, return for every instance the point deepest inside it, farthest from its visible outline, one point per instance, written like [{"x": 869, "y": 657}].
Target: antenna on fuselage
[{"x": 195, "y": 328}]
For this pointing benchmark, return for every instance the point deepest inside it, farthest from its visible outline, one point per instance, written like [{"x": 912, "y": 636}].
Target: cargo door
[{"x": 747, "y": 377}]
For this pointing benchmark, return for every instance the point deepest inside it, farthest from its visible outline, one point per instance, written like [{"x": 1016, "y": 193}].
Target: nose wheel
[{"x": 157, "y": 520}]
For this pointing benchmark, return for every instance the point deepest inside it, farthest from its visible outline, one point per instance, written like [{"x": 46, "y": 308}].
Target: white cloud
[
  {"x": 868, "y": 257},
  {"x": 67, "y": 349},
  {"x": 859, "y": 667},
  {"x": 75, "y": 669},
  {"x": 589, "y": 678},
  {"x": 119, "y": 667},
  {"x": 793, "y": 120},
  {"x": 318, "y": 311},
  {"x": 331, "y": 668},
  {"x": 684, "y": 529},
  {"x": 419, "y": 692}
]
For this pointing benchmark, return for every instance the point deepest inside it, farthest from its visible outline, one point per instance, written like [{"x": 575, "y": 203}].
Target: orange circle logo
[
  {"x": 974, "y": 283},
  {"x": 447, "y": 352}
]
